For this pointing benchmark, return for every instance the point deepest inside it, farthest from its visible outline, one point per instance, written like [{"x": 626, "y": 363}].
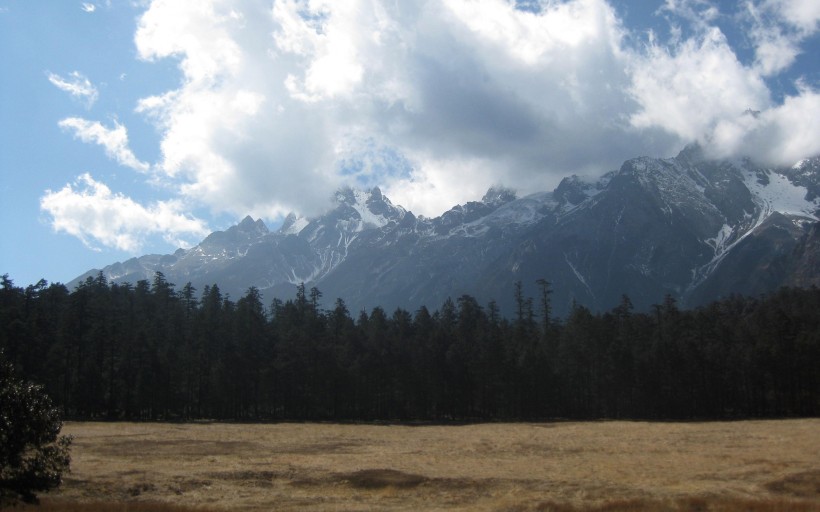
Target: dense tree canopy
[{"x": 147, "y": 351}]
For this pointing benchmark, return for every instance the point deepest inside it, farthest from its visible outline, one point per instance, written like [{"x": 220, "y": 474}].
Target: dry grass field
[{"x": 605, "y": 466}]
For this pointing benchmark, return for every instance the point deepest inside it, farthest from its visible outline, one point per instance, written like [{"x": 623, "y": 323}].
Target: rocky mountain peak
[
  {"x": 368, "y": 206},
  {"x": 498, "y": 195},
  {"x": 379, "y": 204},
  {"x": 575, "y": 189},
  {"x": 346, "y": 196},
  {"x": 691, "y": 154},
  {"x": 687, "y": 226},
  {"x": 250, "y": 226},
  {"x": 288, "y": 223}
]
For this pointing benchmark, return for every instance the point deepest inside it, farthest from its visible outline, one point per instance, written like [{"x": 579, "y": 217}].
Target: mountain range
[{"x": 690, "y": 227}]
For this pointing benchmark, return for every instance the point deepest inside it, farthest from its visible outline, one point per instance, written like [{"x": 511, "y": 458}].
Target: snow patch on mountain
[
  {"x": 373, "y": 210},
  {"x": 520, "y": 212},
  {"x": 368, "y": 218},
  {"x": 293, "y": 225},
  {"x": 579, "y": 276},
  {"x": 772, "y": 192},
  {"x": 799, "y": 165},
  {"x": 778, "y": 194},
  {"x": 719, "y": 242}
]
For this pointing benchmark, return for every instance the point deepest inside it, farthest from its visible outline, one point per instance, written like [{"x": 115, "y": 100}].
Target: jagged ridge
[{"x": 686, "y": 226}]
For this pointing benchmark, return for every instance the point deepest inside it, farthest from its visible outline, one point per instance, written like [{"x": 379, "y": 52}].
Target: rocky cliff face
[{"x": 689, "y": 227}]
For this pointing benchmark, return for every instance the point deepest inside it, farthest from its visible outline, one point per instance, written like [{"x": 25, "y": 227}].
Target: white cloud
[
  {"x": 77, "y": 85},
  {"x": 114, "y": 140},
  {"x": 322, "y": 34},
  {"x": 700, "y": 13},
  {"x": 431, "y": 80},
  {"x": 530, "y": 37},
  {"x": 778, "y": 28},
  {"x": 697, "y": 88},
  {"x": 87, "y": 7},
  {"x": 232, "y": 132},
  {"x": 782, "y": 134},
  {"x": 90, "y": 211},
  {"x": 429, "y": 191},
  {"x": 804, "y": 15},
  {"x": 690, "y": 88},
  {"x": 774, "y": 53},
  {"x": 279, "y": 100},
  {"x": 198, "y": 32}
]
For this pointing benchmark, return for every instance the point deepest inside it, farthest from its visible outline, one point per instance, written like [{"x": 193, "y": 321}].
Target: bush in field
[{"x": 33, "y": 456}]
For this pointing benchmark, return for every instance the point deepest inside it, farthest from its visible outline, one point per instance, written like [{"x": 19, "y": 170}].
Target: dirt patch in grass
[
  {"x": 244, "y": 477},
  {"x": 800, "y": 485},
  {"x": 381, "y": 478}
]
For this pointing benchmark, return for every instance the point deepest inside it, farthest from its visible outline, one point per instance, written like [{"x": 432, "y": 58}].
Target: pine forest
[{"x": 148, "y": 351}]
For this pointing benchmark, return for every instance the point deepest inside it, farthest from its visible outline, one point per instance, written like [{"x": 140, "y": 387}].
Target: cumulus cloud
[
  {"x": 781, "y": 134},
  {"x": 87, "y": 7},
  {"x": 231, "y": 132},
  {"x": 690, "y": 88},
  {"x": 698, "y": 89},
  {"x": 429, "y": 190},
  {"x": 804, "y": 15},
  {"x": 324, "y": 37},
  {"x": 90, "y": 211},
  {"x": 113, "y": 140},
  {"x": 275, "y": 100},
  {"x": 280, "y": 103},
  {"x": 778, "y": 28},
  {"x": 77, "y": 85}
]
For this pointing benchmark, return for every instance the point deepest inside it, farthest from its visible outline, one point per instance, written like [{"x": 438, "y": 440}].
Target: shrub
[{"x": 33, "y": 456}]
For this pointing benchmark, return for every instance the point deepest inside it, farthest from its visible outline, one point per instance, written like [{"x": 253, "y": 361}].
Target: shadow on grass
[
  {"x": 49, "y": 505},
  {"x": 690, "y": 504}
]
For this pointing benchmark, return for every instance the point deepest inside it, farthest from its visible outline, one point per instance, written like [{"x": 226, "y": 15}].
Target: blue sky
[{"x": 134, "y": 127}]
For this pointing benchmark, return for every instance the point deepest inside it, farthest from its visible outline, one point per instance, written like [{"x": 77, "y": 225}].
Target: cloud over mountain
[{"x": 281, "y": 103}]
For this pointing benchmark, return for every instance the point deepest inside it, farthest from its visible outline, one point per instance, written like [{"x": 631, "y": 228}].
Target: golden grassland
[{"x": 564, "y": 466}]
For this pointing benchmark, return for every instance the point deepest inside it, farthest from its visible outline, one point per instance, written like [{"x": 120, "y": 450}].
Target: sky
[{"x": 131, "y": 127}]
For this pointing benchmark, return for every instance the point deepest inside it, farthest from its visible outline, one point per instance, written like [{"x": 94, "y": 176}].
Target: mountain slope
[{"x": 689, "y": 227}]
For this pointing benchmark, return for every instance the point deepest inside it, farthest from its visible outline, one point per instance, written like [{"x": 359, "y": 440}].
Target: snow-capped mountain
[{"x": 689, "y": 227}]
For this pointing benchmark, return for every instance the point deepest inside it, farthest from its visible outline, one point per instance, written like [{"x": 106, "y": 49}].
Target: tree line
[{"x": 148, "y": 351}]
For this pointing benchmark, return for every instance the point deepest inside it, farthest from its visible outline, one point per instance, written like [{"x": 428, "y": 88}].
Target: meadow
[{"x": 560, "y": 466}]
